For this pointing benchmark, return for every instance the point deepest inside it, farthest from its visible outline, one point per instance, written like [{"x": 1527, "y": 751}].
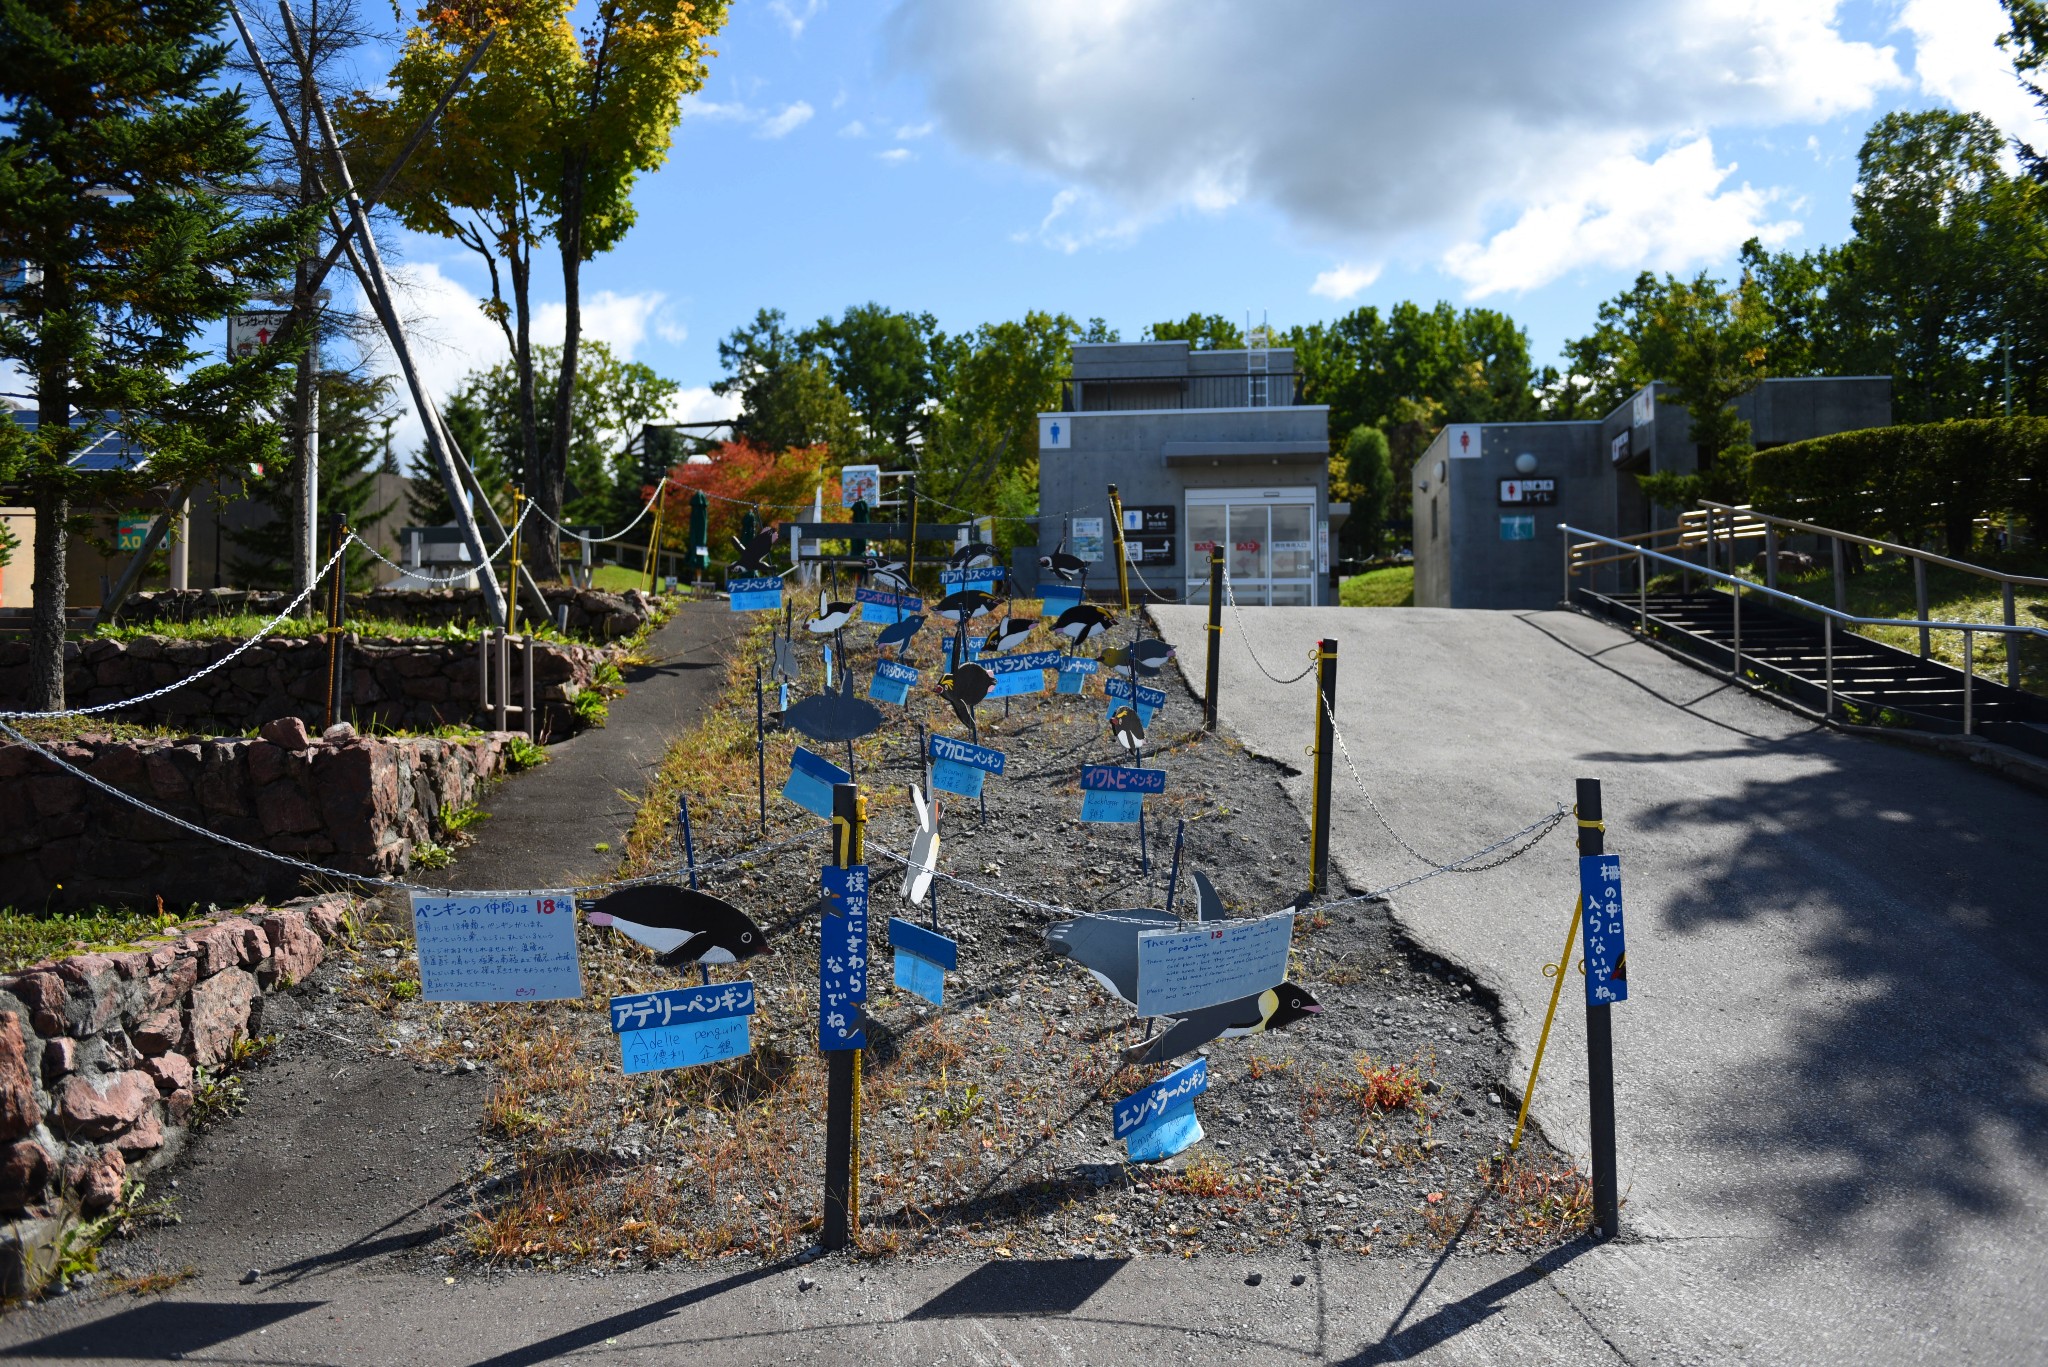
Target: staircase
[{"x": 1787, "y": 653}]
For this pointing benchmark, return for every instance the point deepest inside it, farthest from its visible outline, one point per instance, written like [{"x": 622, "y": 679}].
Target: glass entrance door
[{"x": 1268, "y": 540}]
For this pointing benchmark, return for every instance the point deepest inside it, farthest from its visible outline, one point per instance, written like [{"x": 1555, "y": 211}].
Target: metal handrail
[
  {"x": 1829, "y": 615},
  {"x": 1929, "y": 556}
]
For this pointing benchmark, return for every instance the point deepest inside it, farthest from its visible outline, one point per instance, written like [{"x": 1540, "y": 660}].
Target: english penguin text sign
[
  {"x": 959, "y": 766},
  {"x": 1606, "y": 943},
  {"x": 1159, "y": 1121},
  {"x": 497, "y": 947},
  {"x": 843, "y": 959},
  {"x": 1212, "y": 962},
  {"x": 683, "y": 1026}
]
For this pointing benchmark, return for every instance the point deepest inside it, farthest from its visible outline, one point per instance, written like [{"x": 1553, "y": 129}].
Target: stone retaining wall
[
  {"x": 384, "y": 685},
  {"x": 593, "y": 613},
  {"x": 100, "y": 1054},
  {"x": 354, "y": 803}
]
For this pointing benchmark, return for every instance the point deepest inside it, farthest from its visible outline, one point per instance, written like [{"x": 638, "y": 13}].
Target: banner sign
[
  {"x": 959, "y": 767},
  {"x": 1074, "y": 672},
  {"x": 892, "y": 682},
  {"x": 878, "y": 607},
  {"x": 1158, "y": 1121},
  {"x": 1114, "y": 792},
  {"x": 810, "y": 782},
  {"x": 843, "y": 959},
  {"x": 497, "y": 947},
  {"x": 755, "y": 595},
  {"x": 860, "y": 484},
  {"x": 923, "y": 958},
  {"x": 1215, "y": 962},
  {"x": 683, "y": 1026},
  {"x": 1606, "y": 943}
]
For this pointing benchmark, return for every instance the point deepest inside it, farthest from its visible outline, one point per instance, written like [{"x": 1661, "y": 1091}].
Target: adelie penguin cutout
[
  {"x": 1063, "y": 566},
  {"x": 752, "y": 561},
  {"x": 834, "y": 715},
  {"x": 965, "y": 605},
  {"x": 681, "y": 925},
  {"x": 1082, "y": 623},
  {"x": 1272, "y": 1009},
  {"x": 831, "y": 617}
]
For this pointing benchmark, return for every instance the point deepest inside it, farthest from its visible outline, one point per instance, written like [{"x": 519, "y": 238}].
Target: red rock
[
  {"x": 19, "y": 1112},
  {"x": 95, "y": 991},
  {"x": 24, "y": 1173},
  {"x": 177, "y": 1106},
  {"x": 296, "y": 948},
  {"x": 160, "y": 1033},
  {"x": 60, "y": 1056},
  {"x": 289, "y": 732},
  {"x": 252, "y": 946},
  {"x": 327, "y": 916},
  {"x": 167, "y": 987},
  {"x": 216, "y": 947},
  {"x": 148, "y": 1134},
  {"x": 220, "y": 1014},
  {"x": 130, "y": 964},
  {"x": 173, "y": 1072},
  {"x": 105, "y": 1110},
  {"x": 97, "y": 1179},
  {"x": 286, "y": 810},
  {"x": 45, "y": 996}
]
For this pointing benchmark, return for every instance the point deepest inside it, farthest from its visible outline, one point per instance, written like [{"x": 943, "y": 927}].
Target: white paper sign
[
  {"x": 1206, "y": 965},
  {"x": 497, "y": 947}
]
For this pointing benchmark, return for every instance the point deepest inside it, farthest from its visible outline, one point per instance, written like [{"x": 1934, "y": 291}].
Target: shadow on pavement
[
  {"x": 160, "y": 1330},
  {"x": 1448, "y": 1321},
  {"x": 612, "y": 1326},
  {"x": 1021, "y": 1288}
]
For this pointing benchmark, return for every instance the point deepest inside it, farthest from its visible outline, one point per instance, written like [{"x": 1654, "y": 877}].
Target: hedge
[{"x": 1898, "y": 483}]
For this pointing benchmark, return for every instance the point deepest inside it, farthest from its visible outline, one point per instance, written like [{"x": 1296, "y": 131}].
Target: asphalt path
[{"x": 1833, "y": 1066}]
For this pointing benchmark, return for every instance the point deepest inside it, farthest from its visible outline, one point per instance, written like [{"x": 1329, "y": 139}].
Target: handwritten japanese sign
[
  {"x": 755, "y": 595},
  {"x": 1159, "y": 1121},
  {"x": 497, "y": 947},
  {"x": 1112, "y": 793},
  {"x": 1606, "y": 942},
  {"x": 1074, "y": 672},
  {"x": 959, "y": 766},
  {"x": 843, "y": 959},
  {"x": 810, "y": 782},
  {"x": 923, "y": 958},
  {"x": 683, "y": 1027},
  {"x": 1211, "y": 963},
  {"x": 892, "y": 682}
]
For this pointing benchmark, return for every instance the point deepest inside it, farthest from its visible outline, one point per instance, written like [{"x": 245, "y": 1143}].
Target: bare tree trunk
[
  {"x": 539, "y": 534},
  {"x": 51, "y": 587},
  {"x": 569, "y": 232}
]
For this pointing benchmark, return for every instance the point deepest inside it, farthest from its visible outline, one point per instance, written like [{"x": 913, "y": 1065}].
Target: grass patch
[
  {"x": 1393, "y": 587},
  {"x": 30, "y": 937},
  {"x": 617, "y": 578}
]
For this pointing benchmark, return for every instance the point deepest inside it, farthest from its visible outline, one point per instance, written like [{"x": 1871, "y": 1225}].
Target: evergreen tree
[
  {"x": 116, "y": 141},
  {"x": 350, "y": 451},
  {"x": 426, "y": 499}
]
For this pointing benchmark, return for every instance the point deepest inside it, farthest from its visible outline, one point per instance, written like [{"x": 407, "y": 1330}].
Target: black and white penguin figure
[
  {"x": 964, "y": 605},
  {"x": 1129, "y": 730},
  {"x": 830, "y": 618},
  {"x": 1273, "y": 1009},
  {"x": 898, "y": 634},
  {"x": 1014, "y": 632},
  {"x": 973, "y": 556},
  {"x": 965, "y": 687},
  {"x": 1082, "y": 623},
  {"x": 681, "y": 925},
  {"x": 1063, "y": 566},
  {"x": 752, "y": 561}
]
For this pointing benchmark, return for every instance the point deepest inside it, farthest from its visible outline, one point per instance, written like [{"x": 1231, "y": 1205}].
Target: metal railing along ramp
[{"x": 1806, "y": 652}]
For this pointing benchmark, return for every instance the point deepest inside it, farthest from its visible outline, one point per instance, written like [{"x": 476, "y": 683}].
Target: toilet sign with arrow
[{"x": 251, "y": 332}]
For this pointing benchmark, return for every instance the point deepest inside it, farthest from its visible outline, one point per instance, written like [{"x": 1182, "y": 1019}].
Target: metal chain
[
  {"x": 1540, "y": 827},
  {"x": 221, "y": 663},
  {"x": 619, "y": 535},
  {"x": 405, "y": 573},
  {"x": 1238, "y": 614},
  {"x": 1000, "y": 895}
]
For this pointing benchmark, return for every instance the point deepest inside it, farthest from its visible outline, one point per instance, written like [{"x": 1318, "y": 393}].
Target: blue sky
[{"x": 1138, "y": 159}]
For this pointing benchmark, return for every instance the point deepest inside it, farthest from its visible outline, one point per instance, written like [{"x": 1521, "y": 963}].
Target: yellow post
[
  {"x": 654, "y": 533},
  {"x": 512, "y": 579},
  {"x": 1557, "y": 971},
  {"x": 1123, "y": 581}
]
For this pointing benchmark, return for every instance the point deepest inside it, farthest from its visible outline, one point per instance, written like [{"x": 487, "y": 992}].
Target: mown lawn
[{"x": 1393, "y": 587}]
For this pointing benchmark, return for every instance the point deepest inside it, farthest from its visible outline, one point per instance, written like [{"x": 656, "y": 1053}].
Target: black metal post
[
  {"x": 1180, "y": 830},
  {"x": 761, "y": 748},
  {"x": 1326, "y": 740},
  {"x": 1599, "y": 1048},
  {"x": 841, "y": 1103},
  {"x": 1215, "y": 636},
  {"x": 689, "y": 846}
]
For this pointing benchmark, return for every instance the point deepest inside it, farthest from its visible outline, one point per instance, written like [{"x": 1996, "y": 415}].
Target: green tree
[
  {"x": 994, "y": 382},
  {"x": 1368, "y": 470},
  {"x": 116, "y": 140},
  {"x": 2027, "y": 41},
  {"x": 1710, "y": 347},
  {"x": 1472, "y": 364},
  {"x": 1201, "y": 331},
  {"x": 881, "y": 360},
  {"x": 470, "y": 423},
  {"x": 351, "y": 449},
  {"x": 787, "y": 397}
]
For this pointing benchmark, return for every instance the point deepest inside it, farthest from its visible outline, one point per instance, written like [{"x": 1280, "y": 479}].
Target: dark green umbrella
[
  {"x": 700, "y": 529},
  {"x": 860, "y": 515}
]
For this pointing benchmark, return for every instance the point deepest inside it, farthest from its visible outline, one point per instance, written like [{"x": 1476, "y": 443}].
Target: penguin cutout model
[
  {"x": 898, "y": 634},
  {"x": 1014, "y": 632},
  {"x": 965, "y": 604},
  {"x": 1148, "y": 657},
  {"x": 1210, "y": 904},
  {"x": 1105, "y": 945},
  {"x": 786, "y": 670},
  {"x": 974, "y": 555},
  {"x": 831, "y": 617},
  {"x": 1063, "y": 566},
  {"x": 834, "y": 715},
  {"x": 965, "y": 687},
  {"x": 752, "y": 561},
  {"x": 1272, "y": 1009},
  {"x": 681, "y": 925},
  {"x": 1083, "y": 622},
  {"x": 887, "y": 573},
  {"x": 1130, "y": 732},
  {"x": 924, "y": 851}
]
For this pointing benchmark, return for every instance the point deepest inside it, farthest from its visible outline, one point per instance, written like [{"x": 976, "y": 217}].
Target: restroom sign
[
  {"x": 1056, "y": 432},
  {"x": 1530, "y": 493}
]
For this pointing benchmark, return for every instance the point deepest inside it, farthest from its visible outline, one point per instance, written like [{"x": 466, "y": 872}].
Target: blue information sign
[
  {"x": 1159, "y": 1121},
  {"x": 880, "y": 608},
  {"x": 923, "y": 958},
  {"x": 1074, "y": 672},
  {"x": 1016, "y": 675},
  {"x": 1606, "y": 942},
  {"x": 892, "y": 682},
  {"x": 683, "y": 1027},
  {"x": 1114, "y": 793},
  {"x": 985, "y": 578},
  {"x": 843, "y": 959},
  {"x": 810, "y": 782},
  {"x": 1058, "y": 597},
  {"x": 1147, "y": 701},
  {"x": 959, "y": 766},
  {"x": 755, "y": 595}
]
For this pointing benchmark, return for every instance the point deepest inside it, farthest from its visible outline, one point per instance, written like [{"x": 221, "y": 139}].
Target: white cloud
[
  {"x": 714, "y": 111},
  {"x": 1956, "y": 58},
  {"x": 856, "y": 129},
  {"x": 895, "y": 156},
  {"x": 912, "y": 131},
  {"x": 795, "y": 17},
  {"x": 792, "y": 117},
  {"x": 1077, "y": 219},
  {"x": 699, "y": 404},
  {"x": 1342, "y": 282},
  {"x": 1386, "y": 129}
]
